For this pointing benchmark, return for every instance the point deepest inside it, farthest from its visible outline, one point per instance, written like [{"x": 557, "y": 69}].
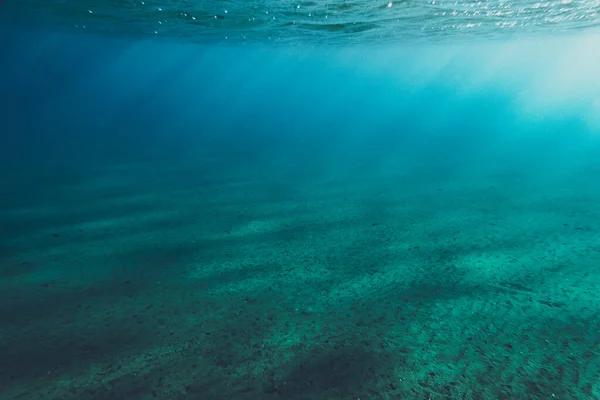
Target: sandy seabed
[{"x": 147, "y": 282}]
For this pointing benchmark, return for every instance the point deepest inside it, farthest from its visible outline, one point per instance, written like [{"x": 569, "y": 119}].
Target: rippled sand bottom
[{"x": 195, "y": 281}]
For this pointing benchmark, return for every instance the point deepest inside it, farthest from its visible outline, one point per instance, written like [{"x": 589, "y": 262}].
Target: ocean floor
[{"x": 198, "y": 280}]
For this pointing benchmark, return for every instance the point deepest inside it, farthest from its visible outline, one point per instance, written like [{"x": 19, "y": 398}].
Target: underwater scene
[{"x": 298, "y": 200}]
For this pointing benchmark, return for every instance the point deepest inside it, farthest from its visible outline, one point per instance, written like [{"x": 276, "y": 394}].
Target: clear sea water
[{"x": 299, "y": 199}]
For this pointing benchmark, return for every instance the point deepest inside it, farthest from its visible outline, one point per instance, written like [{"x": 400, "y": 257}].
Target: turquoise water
[
  {"x": 293, "y": 22},
  {"x": 215, "y": 204}
]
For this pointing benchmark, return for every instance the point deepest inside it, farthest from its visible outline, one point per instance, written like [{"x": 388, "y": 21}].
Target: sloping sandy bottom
[{"x": 198, "y": 282}]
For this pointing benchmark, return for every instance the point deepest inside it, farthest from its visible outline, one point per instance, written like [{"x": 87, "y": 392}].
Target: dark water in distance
[{"x": 314, "y": 200}]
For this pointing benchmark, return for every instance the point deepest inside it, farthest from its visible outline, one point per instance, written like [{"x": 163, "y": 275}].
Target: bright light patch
[{"x": 563, "y": 78}]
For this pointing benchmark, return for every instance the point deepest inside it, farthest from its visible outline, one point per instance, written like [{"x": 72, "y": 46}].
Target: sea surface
[
  {"x": 299, "y": 200},
  {"x": 295, "y": 22}
]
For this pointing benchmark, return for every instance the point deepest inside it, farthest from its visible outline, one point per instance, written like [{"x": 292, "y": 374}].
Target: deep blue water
[{"x": 91, "y": 99}]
